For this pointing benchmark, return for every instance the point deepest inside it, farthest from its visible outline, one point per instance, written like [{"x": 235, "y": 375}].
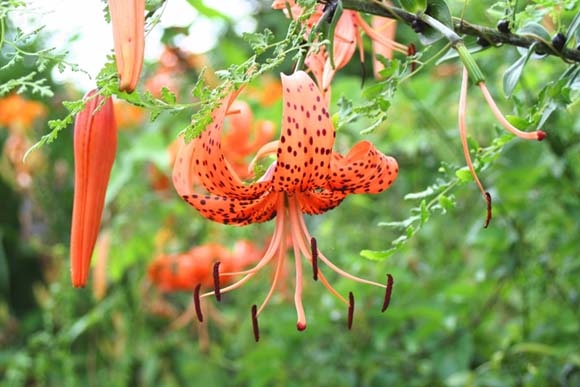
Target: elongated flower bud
[
  {"x": 128, "y": 19},
  {"x": 95, "y": 144}
]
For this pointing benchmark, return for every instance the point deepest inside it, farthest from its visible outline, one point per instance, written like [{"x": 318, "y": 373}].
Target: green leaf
[
  {"x": 572, "y": 29},
  {"x": 378, "y": 255},
  {"x": 414, "y": 5},
  {"x": 512, "y": 75},
  {"x": 464, "y": 174},
  {"x": 259, "y": 41},
  {"x": 206, "y": 11},
  {"x": 168, "y": 96},
  {"x": 437, "y": 9}
]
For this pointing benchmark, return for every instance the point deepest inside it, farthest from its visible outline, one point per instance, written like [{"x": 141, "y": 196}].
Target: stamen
[
  {"x": 281, "y": 258},
  {"x": 378, "y": 38},
  {"x": 197, "y": 303},
  {"x": 255, "y": 327},
  {"x": 332, "y": 265},
  {"x": 537, "y": 135},
  {"x": 314, "y": 249},
  {"x": 388, "y": 292},
  {"x": 350, "y": 310},
  {"x": 216, "y": 281},
  {"x": 272, "y": 249},
  {"x": 463, "y": 136}
]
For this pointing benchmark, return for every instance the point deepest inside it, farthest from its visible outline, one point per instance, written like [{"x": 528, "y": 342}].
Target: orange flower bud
[
  {"x": 95, "y": 144},
  {"x": 128, "y": 19}
]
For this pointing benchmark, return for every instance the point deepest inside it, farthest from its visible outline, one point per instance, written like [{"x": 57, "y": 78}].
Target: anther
[
  {"x": 314, "y": 249},
  {"x": 255, "y": 323},
  {"x": 197, "y": 303},
  {"x": 350, "y": 310},
  {"x": 216, "y": 281},
  {"x": 300, "y": 326},
  {"x": 388, "y": 292},
  {"x": 488, "y": 217},
  {"x": 412, "y": 50}
]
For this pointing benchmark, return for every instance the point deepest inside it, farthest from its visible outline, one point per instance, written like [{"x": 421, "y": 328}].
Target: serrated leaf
[
  {"x": 464, "y": 174},
  {"x": 168, "y": 96},
  {"x": 259, "y": 41},
  {"x": 446, "y": 203}
]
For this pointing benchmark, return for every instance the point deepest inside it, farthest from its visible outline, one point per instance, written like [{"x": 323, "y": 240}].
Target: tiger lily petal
[
  {"x": 95, "y": 144},
  {"x": 128, "y": 20},
  {"x": 307, "y": 177}
]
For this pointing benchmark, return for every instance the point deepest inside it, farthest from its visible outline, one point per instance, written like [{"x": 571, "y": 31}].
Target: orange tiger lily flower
[
  {"x": 95, "y": 144},
  {"x": 307, "y": 177},
  {"x": 128, "y": 19}
]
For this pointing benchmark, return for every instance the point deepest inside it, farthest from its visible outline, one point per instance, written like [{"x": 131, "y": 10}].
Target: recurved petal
[
  {"x": 306, "y": 137},
  {"x": 203, "y": 161},
  {"x": 363, "y": 170},
  {"x": 315, "y": 203},
  {"x": 228, "y": 210}
]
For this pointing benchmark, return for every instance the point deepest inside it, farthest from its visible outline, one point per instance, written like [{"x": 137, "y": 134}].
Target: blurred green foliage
[{"x": 470, "y": 307}]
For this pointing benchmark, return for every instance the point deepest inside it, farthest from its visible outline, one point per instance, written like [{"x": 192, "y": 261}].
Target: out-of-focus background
[{"x": 471, "y": 306}]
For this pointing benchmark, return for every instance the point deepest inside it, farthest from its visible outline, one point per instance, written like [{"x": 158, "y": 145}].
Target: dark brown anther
[
  {"x": 412, "y": 50},
  {"x": 388, "y": 292},
  {"x": 255, "y": 323},
  {"x": 488, "y": 217},
  {"x": 350, "y": 310},
  {"x": 314, "y": 249},
  {"x": 197, "y": 303},
  {"x": 216, "y": 281}
]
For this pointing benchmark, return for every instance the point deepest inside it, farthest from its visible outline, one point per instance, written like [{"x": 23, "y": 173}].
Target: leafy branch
[
  {"x": 436, "y": 198},
  {"x": 539, "y": 38}
]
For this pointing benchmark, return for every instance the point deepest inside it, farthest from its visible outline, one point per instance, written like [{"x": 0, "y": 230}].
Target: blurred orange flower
[
  {"x": 128, "y": 116},
  {"x": 185, "y": 271},
  {"x": 18, "y": 113}
]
